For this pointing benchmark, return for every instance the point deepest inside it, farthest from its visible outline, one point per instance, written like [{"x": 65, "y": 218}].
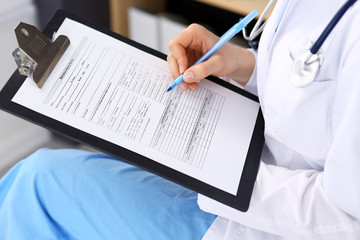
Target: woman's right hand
[{"x": 230, "y": 60}]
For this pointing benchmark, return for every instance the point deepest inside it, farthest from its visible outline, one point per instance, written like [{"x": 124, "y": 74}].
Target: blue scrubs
[{"x": 73, "y": 194}]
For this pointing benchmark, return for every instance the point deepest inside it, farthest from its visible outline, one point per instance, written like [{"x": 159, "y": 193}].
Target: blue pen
[{"x": 223, "y": 39}]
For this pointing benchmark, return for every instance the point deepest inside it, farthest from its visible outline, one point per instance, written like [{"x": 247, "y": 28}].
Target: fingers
[
  {"x": 175, "y": 72},
  {"x": 196, "y": 73},
  {"x": 188, "y": 45},
  {"x": 178, "y": 52},
  {"x": 173, "y": 66},
  {"x": 186, "y": 86},
  {"x": 193, "y": 86},
  {"x": 185, "y": 49}
]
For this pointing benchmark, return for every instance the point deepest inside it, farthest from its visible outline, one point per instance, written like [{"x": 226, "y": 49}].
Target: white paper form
[{"x": 117, "y": 92}]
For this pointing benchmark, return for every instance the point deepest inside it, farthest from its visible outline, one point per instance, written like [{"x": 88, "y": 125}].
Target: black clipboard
[{"x": 240, "y": 201}]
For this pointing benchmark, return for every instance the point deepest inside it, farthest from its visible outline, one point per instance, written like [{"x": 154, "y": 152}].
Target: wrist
[{"x": 246, "y": 65}]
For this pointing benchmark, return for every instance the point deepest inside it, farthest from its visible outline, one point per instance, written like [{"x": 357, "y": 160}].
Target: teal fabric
[{"x": 73, "y": 194}]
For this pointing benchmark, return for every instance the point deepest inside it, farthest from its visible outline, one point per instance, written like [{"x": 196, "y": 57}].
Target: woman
[{"x": 307, "y": 185}]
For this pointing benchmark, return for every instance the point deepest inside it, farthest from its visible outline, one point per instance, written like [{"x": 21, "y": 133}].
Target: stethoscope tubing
[
  {"x": 319, "y": 42},
  {"x": 258, "y": 28}
]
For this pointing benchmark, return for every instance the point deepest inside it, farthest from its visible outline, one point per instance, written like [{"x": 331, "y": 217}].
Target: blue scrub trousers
[{"x": 73, "y": 194}]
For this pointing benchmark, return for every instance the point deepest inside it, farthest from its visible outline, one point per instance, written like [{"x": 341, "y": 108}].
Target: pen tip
[{"x": 168, "y": 90}]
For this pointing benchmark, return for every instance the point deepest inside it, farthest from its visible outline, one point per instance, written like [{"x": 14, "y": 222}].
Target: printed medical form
[{"x": 117, "y": 92}]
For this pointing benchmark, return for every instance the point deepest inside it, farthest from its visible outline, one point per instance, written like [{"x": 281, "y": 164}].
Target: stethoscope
[{"x": 306, "y": 66}]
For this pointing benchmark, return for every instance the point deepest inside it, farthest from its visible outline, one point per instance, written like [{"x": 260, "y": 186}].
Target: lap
[{"x": 94, "y": 196}]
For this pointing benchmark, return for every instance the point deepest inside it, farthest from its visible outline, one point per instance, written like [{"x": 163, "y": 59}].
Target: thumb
[
  {"x": 189, "y": 76},
  {"x": 201, "y": 70}
]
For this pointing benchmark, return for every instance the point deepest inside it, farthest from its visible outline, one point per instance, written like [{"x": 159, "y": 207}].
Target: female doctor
[{"x": 307, "y": 184}]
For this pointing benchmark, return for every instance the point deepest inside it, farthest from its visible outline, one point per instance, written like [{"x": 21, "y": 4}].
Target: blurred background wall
[{"x": 17, "y": 137}]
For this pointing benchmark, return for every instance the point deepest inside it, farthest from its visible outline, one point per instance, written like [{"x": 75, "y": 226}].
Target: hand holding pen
[{"x": 213, "y": 58}]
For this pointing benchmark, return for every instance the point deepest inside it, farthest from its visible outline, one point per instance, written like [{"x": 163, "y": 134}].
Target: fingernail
[
  {"x": 182, "y": 86},
  {"x": 181, "y": 69},
  {"x": 189, "y": 77}
]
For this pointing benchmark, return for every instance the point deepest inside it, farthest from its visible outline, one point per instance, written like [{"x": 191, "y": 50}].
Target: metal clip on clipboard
[{"x": 37, "y": 55}]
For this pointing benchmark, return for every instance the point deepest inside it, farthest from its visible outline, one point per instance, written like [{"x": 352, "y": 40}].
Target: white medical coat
[{"x": 308, "y": 185}]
